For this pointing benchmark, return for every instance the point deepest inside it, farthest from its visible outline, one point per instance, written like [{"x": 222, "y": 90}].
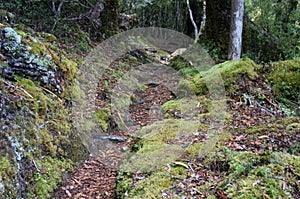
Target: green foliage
[
  {"x": 165, "y": 13},
  {"x": 277, "y": 29},
  {"x": 60, "y": 17},
  {"x": 284, "y": 79}
]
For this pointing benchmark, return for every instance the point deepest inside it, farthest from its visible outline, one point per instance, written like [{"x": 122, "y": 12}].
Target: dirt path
[{"x": 93, "y": 178}]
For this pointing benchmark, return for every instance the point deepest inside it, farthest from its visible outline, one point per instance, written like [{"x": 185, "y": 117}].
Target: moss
[
  {"x": 259, "y": 175},
  {"x": 158, "y": 144},
  {"x": 291, "y": 124},
  {"x": 193, "y": 150},
  {"x": 44, "y": 44},
  {"x": 37, "y": 48},
  {"x": 293, "y": 128},
  {"x": 69, "y": 67},
  {"x": 42, "y": 128},
  {"x": 284, "y": 79},
  {"x": 35, "y": 94},
  {"x": 179, "y": 62},
  {"x": 103, "y": 117},
  {"x": 50, "y": 176},
  {"x": 152, "y": 185},
  {"x": 8, "y": 188},
  {"x": 186, "y": 106},
  {"x": 181, "y": 106},
  {"x": 230, "y": 71},
  {"x": 47, "y": 37}
]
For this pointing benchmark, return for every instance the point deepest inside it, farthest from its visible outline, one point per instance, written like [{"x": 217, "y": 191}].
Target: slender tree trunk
[{"x": 236, "y": 29}]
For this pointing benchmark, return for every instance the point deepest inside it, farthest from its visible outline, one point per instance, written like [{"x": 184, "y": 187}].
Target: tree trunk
[{"x": 236, "y": 30}]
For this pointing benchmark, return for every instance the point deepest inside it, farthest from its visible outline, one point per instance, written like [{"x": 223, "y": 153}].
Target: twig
[
  {"x": 60, "y": 100},
  {"x": 266, "y": 110},
  {"x": 173, "y": 177},
  {"x": 22, "y": 89},
  {"x": 191, "y": 167},
  {"x": 36, "y": 166}
]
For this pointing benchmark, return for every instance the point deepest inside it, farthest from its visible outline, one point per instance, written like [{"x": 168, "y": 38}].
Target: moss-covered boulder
[
  {"x": 231, "y": 72},
  {"x": 36, "y": 57}
]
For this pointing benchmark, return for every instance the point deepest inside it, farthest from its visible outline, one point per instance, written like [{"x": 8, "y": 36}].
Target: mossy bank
[{"x": 38, "y": 146}]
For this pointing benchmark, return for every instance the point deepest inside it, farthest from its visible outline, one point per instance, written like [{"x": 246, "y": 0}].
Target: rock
[
  {"x": 124, "y": 148},
  {"x": 10, "y": 34},
  {"x": 114, "y": 138},
  {"x": 22, "y": 62},
  {"x": 177, "y": 52}
]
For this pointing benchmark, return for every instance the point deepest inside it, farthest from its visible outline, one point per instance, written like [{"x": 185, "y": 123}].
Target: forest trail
[
  {"x": 92, "y": 178},
  {"x": 95, "y": 179}
]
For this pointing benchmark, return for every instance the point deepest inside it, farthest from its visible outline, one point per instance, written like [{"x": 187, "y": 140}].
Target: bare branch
[
  {"x": 203, "y": 22},
  {"x": 192, "y": 19},
  {"x": 199, "y": 32}
]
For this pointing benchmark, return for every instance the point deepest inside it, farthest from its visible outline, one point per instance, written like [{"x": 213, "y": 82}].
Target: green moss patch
[
  {"x": 50, "y": 175},
  {"x": 103, "y": 116},
  {"x": 230, "y": 71},
  {"x": 263, "y": 175}
]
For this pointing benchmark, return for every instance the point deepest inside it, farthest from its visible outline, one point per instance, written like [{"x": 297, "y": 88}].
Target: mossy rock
[
  {"x": 152, "y": 185},
  {"x": 180, "y": 106},
  {"x": 41, "y": 133},
  {"x": 230, "y": 72},
  {"x": 160, "y": 143},
  {"x": 285, "y": 79},
  {"x": 179, "y": 62},
  {"x": 69, "y": 67}
]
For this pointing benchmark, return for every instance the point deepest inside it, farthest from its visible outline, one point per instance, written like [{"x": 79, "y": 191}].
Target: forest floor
[{"x": 93, "y": 179}]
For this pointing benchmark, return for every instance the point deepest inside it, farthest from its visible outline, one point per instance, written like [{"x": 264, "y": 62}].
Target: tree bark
[{"x": 236, "y": 30}]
